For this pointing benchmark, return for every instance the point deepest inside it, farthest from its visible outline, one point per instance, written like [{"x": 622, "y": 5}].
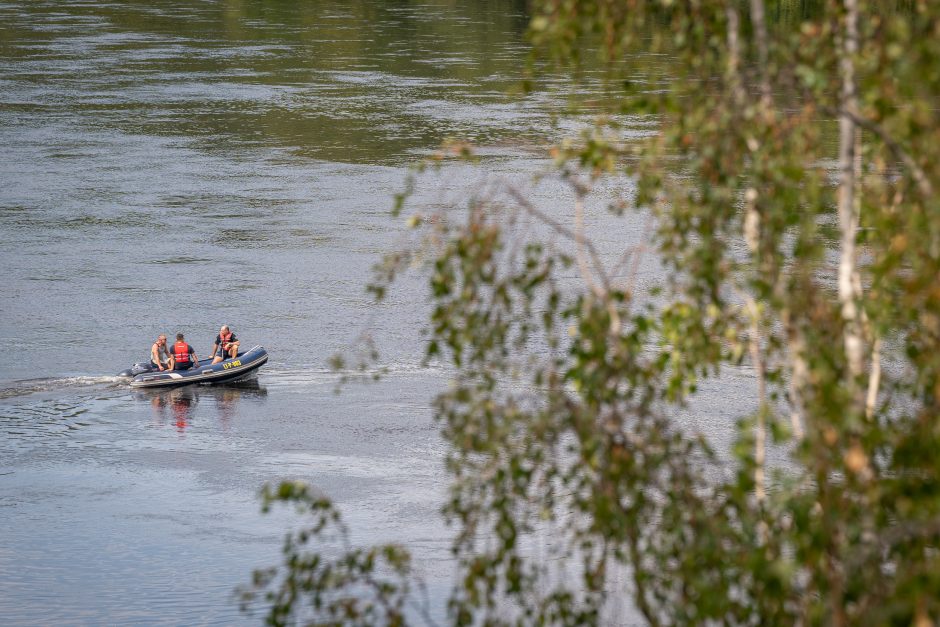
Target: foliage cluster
[{"x": 789, "y": 190}]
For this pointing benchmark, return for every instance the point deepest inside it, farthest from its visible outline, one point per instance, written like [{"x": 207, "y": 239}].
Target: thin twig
[
  {"x": 563, "y": 231},
  {"x": 760, "y": 428},
  {"x": 799, "y": 372},
  {"x": 580, "y": 245},
  {"x": 918, "y": 174}
]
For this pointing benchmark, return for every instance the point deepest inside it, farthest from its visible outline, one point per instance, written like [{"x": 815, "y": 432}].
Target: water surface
[{"x": 170, "y": 167}]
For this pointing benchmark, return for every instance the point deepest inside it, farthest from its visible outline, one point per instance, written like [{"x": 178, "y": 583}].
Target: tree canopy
[{"x": 788, "y": 189}]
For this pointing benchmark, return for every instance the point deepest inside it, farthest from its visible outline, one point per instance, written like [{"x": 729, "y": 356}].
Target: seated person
[
  {"x": 226, "y": 345},
  {"x": 183, "y": 354},
  {"x": 164, "y": 362}
]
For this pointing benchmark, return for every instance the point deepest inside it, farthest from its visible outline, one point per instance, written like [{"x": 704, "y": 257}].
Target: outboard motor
[{"x": 138, "y": 368}]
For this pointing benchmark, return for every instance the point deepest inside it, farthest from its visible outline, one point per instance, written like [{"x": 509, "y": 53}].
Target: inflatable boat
[{"x": 146, "y": 375}]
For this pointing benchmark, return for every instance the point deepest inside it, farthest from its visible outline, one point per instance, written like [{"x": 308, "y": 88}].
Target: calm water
[
  {"x": 178, "y": 166},
  {"x": 174, "y": 166}
]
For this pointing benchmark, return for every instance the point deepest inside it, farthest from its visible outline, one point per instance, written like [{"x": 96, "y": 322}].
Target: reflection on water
[{"x": 177, "y": 405}]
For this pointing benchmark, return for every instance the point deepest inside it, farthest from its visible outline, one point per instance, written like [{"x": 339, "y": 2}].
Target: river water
[{"x": 173, "y": 166}]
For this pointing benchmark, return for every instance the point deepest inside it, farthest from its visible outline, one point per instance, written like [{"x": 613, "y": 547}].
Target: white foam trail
[
  {"x": 32, "y": 386},
  {"x": 91, "y": 380}
]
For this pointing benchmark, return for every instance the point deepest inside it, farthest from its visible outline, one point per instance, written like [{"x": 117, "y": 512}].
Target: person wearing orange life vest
[
  {"x": 183, "y": 354},
  {"x": 226, "y": 345}
]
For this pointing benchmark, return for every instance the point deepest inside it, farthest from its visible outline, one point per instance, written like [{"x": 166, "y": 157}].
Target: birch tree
[{"x": 788, "y": 190}]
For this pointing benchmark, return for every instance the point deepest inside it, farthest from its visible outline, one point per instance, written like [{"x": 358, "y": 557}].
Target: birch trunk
[
  {"x": 848, "y": 216},
  {"x": 763, "y": 55}
]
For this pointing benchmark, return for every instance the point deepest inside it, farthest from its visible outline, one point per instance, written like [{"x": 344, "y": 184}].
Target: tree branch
[
  {"x": 917, "y": 173},
  {"x": 574, "y": 236}
]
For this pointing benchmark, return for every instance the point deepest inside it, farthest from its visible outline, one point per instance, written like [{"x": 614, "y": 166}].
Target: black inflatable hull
[{"x": 144, "y": 375}]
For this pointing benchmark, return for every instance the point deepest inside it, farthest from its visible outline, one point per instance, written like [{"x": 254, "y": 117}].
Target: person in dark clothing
[
  {"x": 226, "y": 345},
  {"x": 183, "y": 354}
]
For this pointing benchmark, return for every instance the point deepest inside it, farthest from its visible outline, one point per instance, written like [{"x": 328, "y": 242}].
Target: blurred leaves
[{"x": 567, "y": 417}]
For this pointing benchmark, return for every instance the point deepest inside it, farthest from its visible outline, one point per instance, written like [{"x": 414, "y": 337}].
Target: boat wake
[
  {"x": 33, "y": 386},
  {"x": 272, "y": 377}
]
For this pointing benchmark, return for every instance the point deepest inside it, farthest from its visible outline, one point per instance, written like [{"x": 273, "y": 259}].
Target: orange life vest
[
  {"x": 223, "y": 340},
  {"x": 181, "y": 352}
]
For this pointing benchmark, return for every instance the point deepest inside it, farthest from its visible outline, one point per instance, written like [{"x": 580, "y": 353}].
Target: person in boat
[
  {"x": 184, "y": 357},
  {"x": 226, "y": 345},
  {"x": 160, "y": 355}
]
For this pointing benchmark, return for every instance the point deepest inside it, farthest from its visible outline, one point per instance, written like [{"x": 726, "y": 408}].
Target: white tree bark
[
  {"x": 763, "y": 55},
  {"x": 848, "y": 214}
]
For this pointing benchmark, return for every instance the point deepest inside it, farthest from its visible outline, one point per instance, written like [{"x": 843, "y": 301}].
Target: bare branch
[
  {"x": 874, "y": 379},
  {"x": 564, "y": 231},
  {"x": 920, "y": 178},
  {"x": 760, "y": 429},
  {"x": 917, "y": 173},
  {"x": 580, "y": 244},
  {"x": 635, "y": 255},
  {"x": 922, "y": 181}
]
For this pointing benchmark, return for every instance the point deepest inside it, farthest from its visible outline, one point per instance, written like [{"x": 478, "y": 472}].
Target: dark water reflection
[{"x": 177, "y": 405}]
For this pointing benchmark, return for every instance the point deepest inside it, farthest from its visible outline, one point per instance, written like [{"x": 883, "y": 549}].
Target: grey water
[{"x": 173, "y": 166}]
